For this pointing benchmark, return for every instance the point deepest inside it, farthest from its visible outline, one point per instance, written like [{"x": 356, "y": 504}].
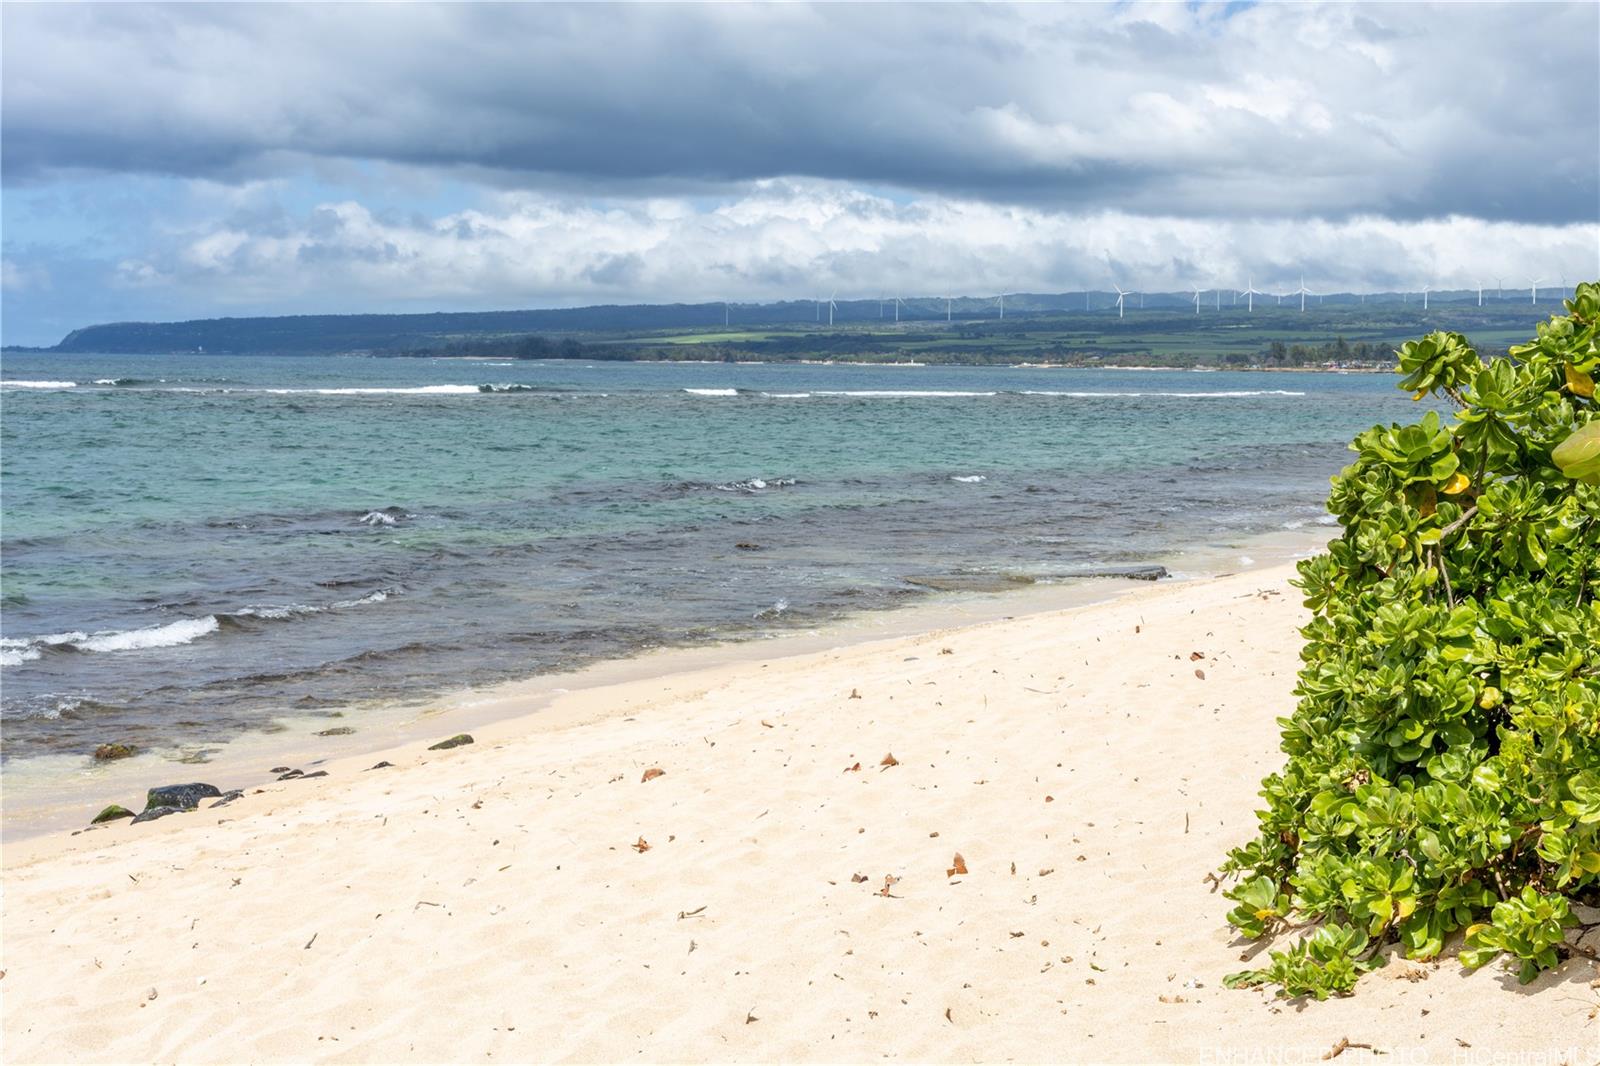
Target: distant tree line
[
  {"x": 530, "y": 346},
  {"x": 1338, "y": 351}
]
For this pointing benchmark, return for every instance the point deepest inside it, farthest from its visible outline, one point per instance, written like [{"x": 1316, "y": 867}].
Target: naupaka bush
[{"x": 1444, "y": 758}]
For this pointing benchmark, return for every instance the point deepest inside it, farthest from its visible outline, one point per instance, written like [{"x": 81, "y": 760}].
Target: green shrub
[{"x": 1444, "y": 758}]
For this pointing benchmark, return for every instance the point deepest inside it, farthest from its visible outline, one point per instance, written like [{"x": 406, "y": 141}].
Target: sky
[{"x": 166, "y": 162}]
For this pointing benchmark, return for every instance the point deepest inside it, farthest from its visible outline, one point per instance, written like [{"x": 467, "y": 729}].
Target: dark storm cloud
[{"x": 1275, "y": 110}]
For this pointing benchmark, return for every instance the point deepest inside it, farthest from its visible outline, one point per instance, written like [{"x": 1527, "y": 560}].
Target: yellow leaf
[
  {"x": 1457, "y": 484},
  {"x": 1579, "y": 383},
  {"x": 1419, "y": 394}
]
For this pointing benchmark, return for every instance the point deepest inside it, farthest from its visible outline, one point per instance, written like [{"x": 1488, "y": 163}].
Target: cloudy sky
[{"x": 193, "y": 160}]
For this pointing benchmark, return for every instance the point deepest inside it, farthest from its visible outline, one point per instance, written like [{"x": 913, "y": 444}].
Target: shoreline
[
  {"x": 52, "y": 793},
  {"x": 784, "y": 890}
]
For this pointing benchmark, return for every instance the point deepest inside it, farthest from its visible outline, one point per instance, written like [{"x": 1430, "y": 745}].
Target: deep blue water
[{"x": 192, "y": 545}]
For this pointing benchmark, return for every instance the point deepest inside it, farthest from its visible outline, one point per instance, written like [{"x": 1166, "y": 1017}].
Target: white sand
[{"x": 485, "y": 903}]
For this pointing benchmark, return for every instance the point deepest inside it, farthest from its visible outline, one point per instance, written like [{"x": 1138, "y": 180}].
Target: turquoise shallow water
[{"x": 193, "y": 545}]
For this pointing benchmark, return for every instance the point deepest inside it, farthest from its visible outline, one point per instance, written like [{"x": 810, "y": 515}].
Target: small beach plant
[{"x": 1443, "y": 776}]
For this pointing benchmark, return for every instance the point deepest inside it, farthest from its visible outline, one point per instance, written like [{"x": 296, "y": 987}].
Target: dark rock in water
[
  {"x": 111, "y": 814},
  {"x": 746, "y": 546},
  {"x": 454, "y": 742},
  {"x": 1133, "y": 573},
  {"x": 278, "y": 770},
  {"x": 291, "y": 775},
  {"x": 108, "y": 752},
  {"x": 228, "y": 797},
  {"x": 150, "y": 814},
  {"x": 381, "y": 765},
  {"x": 336, "y": 731},
  {"x": 973, "y": 582},
  {"x": 183, "y": 797},
  {"x": 314, "y": 773}
]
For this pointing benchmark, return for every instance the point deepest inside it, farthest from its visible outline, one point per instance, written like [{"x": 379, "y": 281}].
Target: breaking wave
[
  {"x": 755, "y": 484},
  {"x": 14, "y": 652}
]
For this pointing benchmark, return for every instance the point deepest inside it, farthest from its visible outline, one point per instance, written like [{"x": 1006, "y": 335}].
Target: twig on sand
[{"x": 1345, "y": 1044}]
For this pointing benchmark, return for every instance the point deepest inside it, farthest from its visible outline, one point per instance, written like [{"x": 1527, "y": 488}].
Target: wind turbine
[
  {"x": 1499, "y": 288},
  {"x": 832, "y": 307},
  {"x": 1121, "y": 292},
  {"x": 947, "y": 301},
  {"x": 1001, "y": 300},
  {"x": 1197, "y": 291},
  {"x": 1250, "y": 293},
  {"x": 1480, "y": 294},
  {"x": 725, "y": 314},
  {"x": 1425, "y": 290},
  {"x": 1302, "y": 292},
  {"x": 897, "y": 303},
  {"x": 1533, "y": 290}
]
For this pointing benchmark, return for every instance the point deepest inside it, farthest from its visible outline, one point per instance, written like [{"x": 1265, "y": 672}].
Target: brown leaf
[
  {"x": 1201, "y": 674},
  {"x": 1049, "y": 799},
  {"x": 947, "y": 651},
  {"x": 1196, "y": 656},
  {"x": 854, "y": 694},
  {"x": 641, "y": 846},
  {"x": 766, "y": 723},
  {"x": 889, "y": 760},
  {"x": 852, "y": 769},
  {"x": 651, "y": 774},
  {"x": 888, "y": 883},
  {"x": 958, "y": 866},
  {"x": 858, "y": 878}
]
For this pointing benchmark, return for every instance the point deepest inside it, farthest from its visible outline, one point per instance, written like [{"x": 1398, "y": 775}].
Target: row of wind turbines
[{"x": 1248, "y": 294}]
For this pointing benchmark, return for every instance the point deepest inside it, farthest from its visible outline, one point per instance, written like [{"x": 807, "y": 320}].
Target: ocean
[{"x": 193, "y": 547}]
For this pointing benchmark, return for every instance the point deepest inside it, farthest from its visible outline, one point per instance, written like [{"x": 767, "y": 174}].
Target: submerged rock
[
  {"x": 228, "y": 797},
  {"x": 454, "y": 742},
  {"x": 971, "y": 582},
  {"x": 150, "y": 814},
  {"x": 278, "y": 770},
  {"x": 111, "y": 814},
  {"x": 291, "y": 775},
  {"x": 1150, "y": 572},
  {"x": 381, "y": 765},
  {"x": 315, "y": 773},
  {"x": 336, "y": 731},
  {"x": 108, "y": 752},
  {"x": 183, "y": 797}
]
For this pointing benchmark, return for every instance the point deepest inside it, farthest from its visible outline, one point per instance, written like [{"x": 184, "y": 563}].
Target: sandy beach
[{"x": 789, "y": 887}]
